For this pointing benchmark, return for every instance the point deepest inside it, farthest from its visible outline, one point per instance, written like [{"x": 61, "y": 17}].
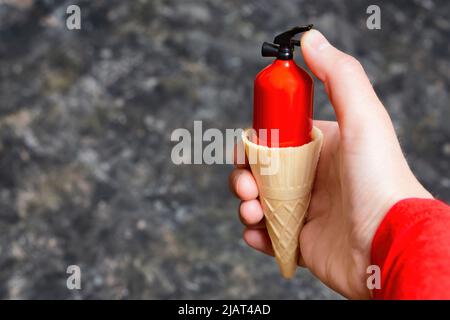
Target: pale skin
[{"x": 361, "y": 174}]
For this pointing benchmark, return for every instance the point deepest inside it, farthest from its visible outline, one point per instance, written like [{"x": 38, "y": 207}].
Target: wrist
[{"x": 368, "y": 227}]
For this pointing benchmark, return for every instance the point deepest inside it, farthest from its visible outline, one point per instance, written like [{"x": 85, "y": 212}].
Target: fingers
[
  {"x": 258, "y": 239},
  {"x": 251, "y": 213},
  {"x": 346, "y": 82},
  {"x": 243, "y": 184}
]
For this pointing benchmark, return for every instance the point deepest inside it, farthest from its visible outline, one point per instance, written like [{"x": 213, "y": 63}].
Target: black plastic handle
[
  {"x": 284, "y": 39},
  {"x": 283, "y": 46}
]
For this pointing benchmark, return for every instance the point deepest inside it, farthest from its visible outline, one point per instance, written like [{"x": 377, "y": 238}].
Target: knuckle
[{"x": 348, "y": 64}]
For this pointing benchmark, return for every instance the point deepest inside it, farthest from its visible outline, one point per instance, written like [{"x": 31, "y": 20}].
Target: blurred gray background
[{"x": 86, "y": 118}]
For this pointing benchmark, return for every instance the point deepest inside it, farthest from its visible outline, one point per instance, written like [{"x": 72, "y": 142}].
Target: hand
[{"x": 361, "y": 174}]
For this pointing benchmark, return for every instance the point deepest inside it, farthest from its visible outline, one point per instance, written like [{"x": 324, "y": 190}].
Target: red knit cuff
[{"x": 405, "y": 238}]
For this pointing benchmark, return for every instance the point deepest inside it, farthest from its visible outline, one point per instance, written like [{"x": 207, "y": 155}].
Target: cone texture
[{"x": 285, "y": 177}]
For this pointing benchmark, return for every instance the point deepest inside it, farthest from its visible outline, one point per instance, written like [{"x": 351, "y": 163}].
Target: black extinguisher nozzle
[
  {"x": 283, "y": 46},
  {"x": 269, "y": 50}
]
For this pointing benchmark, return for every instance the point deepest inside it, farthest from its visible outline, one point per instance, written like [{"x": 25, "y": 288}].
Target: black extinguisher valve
[{"x": 283, "y": 44}]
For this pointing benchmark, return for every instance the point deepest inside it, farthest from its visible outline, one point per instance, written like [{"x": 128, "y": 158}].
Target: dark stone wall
[{"x": 86, "y": 118}]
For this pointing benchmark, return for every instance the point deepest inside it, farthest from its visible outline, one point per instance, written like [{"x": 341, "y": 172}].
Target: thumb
[{"x": 349, "y": 89}]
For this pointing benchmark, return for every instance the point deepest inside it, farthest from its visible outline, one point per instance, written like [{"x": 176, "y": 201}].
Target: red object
[
  {"x": 412, "y": 249},
  {"x": 283, "y": 99}
]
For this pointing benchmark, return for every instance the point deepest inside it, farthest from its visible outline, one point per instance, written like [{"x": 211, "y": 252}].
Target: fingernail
[{"x": 316, "y": 40}]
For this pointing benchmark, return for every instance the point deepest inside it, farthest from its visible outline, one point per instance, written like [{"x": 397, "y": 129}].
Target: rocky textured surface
[{"x": 85, "y": 124}]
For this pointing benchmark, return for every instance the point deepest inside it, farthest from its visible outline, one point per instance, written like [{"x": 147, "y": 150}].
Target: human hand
[{"x": 361, "y": 174}]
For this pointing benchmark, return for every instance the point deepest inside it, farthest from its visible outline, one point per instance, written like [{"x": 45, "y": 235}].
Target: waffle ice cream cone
[{"x": 285, "y": 177}]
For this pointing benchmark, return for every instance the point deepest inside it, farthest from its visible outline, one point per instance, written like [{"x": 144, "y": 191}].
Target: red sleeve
[{"x": 412, "y": 249}]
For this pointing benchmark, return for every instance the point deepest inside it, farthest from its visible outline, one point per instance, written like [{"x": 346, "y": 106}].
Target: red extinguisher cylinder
[
  {"x": 283, "y": 96},
  {"x": 283, "y": 100}
]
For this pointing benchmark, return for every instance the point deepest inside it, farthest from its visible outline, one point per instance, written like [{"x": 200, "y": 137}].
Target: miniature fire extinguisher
[
  {"x": 284, "y": 166},
  {"x": 283, "y": 95}
]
